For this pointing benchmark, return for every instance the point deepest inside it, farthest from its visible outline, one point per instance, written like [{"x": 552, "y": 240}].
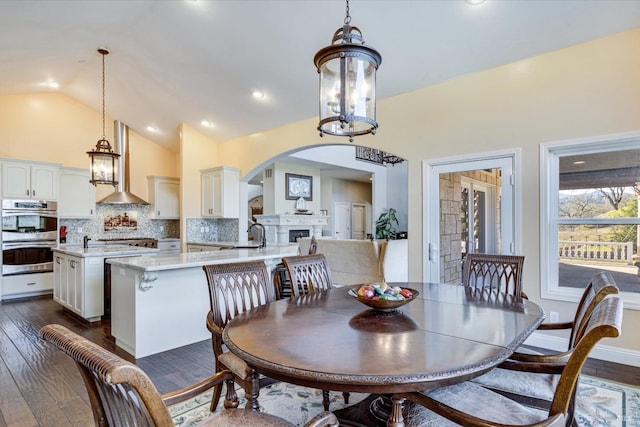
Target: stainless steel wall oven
[{"x": 29, "y": 230}]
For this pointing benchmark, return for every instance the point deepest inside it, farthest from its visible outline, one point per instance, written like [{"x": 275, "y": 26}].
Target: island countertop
[
  {"x": 102, "y": 250},
  {"x": 198, "y": 259}
]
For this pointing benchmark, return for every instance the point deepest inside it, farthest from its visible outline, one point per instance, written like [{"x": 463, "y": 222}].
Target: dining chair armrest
[
  {"x": 211, "y": 326},
  {"x": 556, "y": 325},
  {"x": 463, "y": 418},
  {"x": 557, "y": 358},
  {"x": 536, "y": 367},
  {"x": 323, "y": 419},
  {"x": 191, "y": 391}
]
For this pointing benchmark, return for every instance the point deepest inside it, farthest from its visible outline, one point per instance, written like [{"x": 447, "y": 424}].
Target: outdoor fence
[{"x": 597, "y": 251}]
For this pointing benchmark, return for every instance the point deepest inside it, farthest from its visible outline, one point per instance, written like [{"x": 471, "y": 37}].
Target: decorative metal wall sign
[{"x": 373, "y": 155}]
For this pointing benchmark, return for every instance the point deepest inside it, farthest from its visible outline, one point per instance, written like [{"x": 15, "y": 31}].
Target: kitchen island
[
  {"x": 79, "y": 276},
  {"x": 161, "y": 302}
]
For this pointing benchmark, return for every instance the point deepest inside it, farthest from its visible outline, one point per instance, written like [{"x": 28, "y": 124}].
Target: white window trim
[{"x": 549, "y": 187}]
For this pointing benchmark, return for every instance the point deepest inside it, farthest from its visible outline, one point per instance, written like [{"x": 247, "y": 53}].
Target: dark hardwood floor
[{"x": 40, "y": 386}]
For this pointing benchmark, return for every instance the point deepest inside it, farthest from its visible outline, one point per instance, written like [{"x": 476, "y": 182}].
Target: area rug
[{"x": 598, "y": 404}]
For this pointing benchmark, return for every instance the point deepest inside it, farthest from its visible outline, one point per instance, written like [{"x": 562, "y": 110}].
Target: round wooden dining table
[{"x": 330, "y": 341}]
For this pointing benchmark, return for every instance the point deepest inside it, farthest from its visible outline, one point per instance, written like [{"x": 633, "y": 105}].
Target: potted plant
[{"x": 384, "y": 225}]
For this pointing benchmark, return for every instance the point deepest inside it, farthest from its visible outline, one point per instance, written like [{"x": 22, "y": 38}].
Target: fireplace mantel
[{"x": 277, "y": 226}]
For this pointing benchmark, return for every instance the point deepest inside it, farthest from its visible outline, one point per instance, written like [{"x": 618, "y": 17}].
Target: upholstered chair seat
[
  {"x": 474, "y": 399},
  {"x": 530, "y": 384}
]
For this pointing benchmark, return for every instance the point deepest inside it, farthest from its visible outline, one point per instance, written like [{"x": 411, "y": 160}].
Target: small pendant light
[
  {"x": 347, "y": 71},
  {"x": 104, "y": 165}
]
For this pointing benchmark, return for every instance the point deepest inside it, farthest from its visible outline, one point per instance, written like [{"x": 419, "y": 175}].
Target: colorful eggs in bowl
[{"x": 383, "y": 297}]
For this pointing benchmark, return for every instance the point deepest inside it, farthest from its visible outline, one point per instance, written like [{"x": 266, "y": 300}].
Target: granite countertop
[
  {"x": 198, "y": 259},
  {"x": 102, "y": 250},
  {"x": 225, "y": 244}
]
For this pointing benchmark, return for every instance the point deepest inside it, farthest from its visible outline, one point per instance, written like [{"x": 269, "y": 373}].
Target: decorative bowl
[{"x": 383, "y": 304}]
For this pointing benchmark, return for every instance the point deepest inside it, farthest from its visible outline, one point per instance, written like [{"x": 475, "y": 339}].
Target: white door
[
  {"x": 358, "y": 218},
  {"x": 504, "y": 217},
  {"x": 342, "y": 221}
]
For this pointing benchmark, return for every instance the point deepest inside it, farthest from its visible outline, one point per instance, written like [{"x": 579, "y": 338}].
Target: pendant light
[
  {"x": 104, "y": 163},
  {"x": 347, "y": 71}
]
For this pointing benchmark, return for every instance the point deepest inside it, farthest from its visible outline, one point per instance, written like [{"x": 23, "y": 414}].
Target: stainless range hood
[{"x": 122, "y": 195}]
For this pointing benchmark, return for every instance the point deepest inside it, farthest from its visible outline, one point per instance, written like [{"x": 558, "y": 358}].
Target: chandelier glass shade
[
  {"x": 347, "y": 70},
  {"x": 104, "y": 162}
]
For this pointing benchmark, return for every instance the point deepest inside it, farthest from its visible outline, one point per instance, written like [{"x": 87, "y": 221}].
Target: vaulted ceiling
[{"x": 189, "y": 61}]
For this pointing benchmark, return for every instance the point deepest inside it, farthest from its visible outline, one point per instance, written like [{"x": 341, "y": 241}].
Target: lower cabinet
[
  {"x": 78, "y": 284},
  {"x": 24, "y": 285}
]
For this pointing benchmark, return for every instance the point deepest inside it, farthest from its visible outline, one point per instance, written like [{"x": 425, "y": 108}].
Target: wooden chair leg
[
  {"x": 217, "y": 392},
  {"x": 325, "y": 399},
  {"x": 252, "y": 391}
]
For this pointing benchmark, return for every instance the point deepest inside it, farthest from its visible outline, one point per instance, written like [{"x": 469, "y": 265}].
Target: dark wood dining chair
[
  {"x": 121, "y": 394},
  {"x": 281, "y": 278},
  {"x": 310, "y": 274},
  {"x": 470, "y": 404},
  {"x": 233, "y": 289},
  {"x": 494, "y": 273},
  {"x": 525, "y": 377}
]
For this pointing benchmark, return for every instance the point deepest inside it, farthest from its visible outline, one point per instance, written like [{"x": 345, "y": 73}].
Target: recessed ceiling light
[
  {"x": 51, "y": 84},
  {"x": 475, "y": 2},
  {"x": 152, "y": 128},
  {"x": 258, "y": 94},
  {"x": 207, "y": 123}
]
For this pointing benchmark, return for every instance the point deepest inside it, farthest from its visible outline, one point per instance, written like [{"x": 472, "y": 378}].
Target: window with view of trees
[{"x": 590, "y": 216}]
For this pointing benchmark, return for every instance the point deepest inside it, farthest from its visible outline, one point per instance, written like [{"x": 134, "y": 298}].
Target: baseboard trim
[{"x": 601, "y": 351}]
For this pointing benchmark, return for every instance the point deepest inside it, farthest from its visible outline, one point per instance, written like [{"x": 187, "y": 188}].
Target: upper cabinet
[
  {"x": 164, "y": 195},
  {"x": 77, "y": 197},
  {"x": 29, "y": 180},
  {"x": 220, "y": 192}
]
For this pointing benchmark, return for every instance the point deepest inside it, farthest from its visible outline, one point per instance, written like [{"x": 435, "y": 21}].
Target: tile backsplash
[
  {"x": 198, "y": 229},
  {"x": 94, "y": 228},
  {"x": 212, "y": 230}
]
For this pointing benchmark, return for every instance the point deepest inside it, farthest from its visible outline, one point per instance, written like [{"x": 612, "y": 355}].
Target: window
[{"x": 589, "y": 216}]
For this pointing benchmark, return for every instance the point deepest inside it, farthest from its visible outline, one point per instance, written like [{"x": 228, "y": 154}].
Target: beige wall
[
  {"x": 197, "y": 152},
  {"x": 51, "y": 127},
  {"x": 585, "y": 90}
]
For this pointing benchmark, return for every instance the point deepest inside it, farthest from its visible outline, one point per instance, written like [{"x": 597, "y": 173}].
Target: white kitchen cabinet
[
  {"x": 220, "y": 192},
  {"x": 77, "y": 198},
  {"x": 168, "y": 247},
  {"x": 164, "y": 195},
  {"x": 79, "y": 284},
  {"x": 28, "y": 180},
  {"x": 25, "y": 285}
]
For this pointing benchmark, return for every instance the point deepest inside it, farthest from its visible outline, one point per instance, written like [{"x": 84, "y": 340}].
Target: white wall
[{"x": 397, "y": 194}]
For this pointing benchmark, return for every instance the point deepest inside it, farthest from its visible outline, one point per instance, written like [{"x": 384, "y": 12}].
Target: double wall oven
[{"x": 29, "y": 231}]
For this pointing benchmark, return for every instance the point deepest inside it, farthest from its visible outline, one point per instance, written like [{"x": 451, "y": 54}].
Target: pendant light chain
[
  {"x": 103, "y": 95},
  {"x": 347, "y": 18}
]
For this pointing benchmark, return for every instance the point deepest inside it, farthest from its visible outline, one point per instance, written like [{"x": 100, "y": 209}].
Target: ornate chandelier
[
  {"x": 347, "y": 71},
  {"x": 104, "y": 163}
]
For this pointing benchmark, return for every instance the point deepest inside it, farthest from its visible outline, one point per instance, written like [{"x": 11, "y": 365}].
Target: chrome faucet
[
  {"x": 86, "y": 242},
  {"x": 263, "y": 234}
]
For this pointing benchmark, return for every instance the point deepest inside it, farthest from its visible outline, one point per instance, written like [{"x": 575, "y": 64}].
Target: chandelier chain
[
  {"x": 347, "y": 18},
  {"x": 103, "y": 95}
]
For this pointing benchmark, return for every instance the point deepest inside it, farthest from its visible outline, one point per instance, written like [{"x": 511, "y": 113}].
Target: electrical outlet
[
  {"x": 79, "y": 229},
  {"x": 554, "y": 317},
  {"x": 206, "y": 229},
  {"x": 202, "y": 229},
  {"x": 162, "y": 228}
]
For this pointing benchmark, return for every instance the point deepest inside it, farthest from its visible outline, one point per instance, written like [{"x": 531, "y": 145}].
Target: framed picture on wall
[{"x": 298, "y": 186}]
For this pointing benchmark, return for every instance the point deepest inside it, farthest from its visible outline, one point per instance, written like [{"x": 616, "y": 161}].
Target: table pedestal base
[{"x": 373, "y": 411}]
